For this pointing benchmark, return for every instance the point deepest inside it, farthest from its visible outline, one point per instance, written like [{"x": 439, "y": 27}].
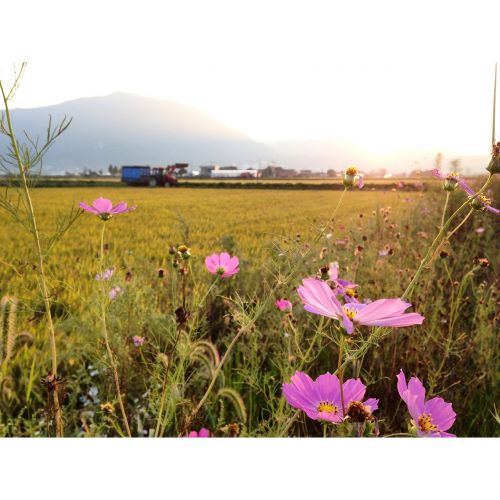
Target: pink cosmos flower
[
  {"x": 342, "y": 287},
  {"x": 284, "y": 305},
  {"x": 222, "y": 264},
  {"x": 204, "y": 433},
  {"x": 114, "y": 292},
  {"x": 105, "y": 275},
  {"x": 103, "y": 208},
  {"x": 433, "y": 417},
  {"x": 138, "y": 340},
  {"x": 319, "y": 298},
  {"x": 320, "y": 399}
]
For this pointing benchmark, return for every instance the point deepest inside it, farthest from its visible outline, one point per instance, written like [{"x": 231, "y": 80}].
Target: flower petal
[
  {"x": 442, "y": 413},
  {"x": 354, "y": 390},
  {"x": 382, "y": 308},
  {"x": 103, "y": 205},
  {"x": 87, "y": 208}
]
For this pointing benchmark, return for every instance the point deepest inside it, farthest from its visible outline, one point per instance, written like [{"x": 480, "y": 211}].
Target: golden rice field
[{"x": 280, "y": 237}]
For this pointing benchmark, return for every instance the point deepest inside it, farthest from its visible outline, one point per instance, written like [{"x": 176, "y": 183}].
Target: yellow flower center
[
  {"x": 485, "y": 199},
  {"x": 326, "y": 407},
  {"x": 350, "y": 313},
  {"x": 350, "y": 292},
  {"x": 352, "y": 170},
  {"x": 425, "y": 423},
  {"x": 220, "y": 270}
]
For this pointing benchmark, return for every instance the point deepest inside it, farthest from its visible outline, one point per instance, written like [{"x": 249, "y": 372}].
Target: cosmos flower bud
[
  {"x": 324, "y": 273},
  {"x": 348, "y": 180},
  {"x": 351, "y": 176},
  {"x": 182, "y": 315},
  {"x": 481, "y": 261},
  {"x": 161, "y": 273},
  {"x": 450, "y": 184},
  {"x": 184, "y": 252},
  {"x": 479, "y": 202},
  {"x": 494, "y": 164}
]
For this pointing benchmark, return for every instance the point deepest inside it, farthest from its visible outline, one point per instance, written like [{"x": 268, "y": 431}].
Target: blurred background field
[{"x": 378, "y": 238}]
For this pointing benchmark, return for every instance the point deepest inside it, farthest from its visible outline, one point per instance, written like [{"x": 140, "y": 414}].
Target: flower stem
[
  {"x": 445, "y": 208},
  {"x": 318, "y": 238},
  {"x": 106, "y": 339},
  {"x": 198, "y": 407},
  {"x": 42, "y": 280},
  {"x": 165, "y": 381},
  {"x": 423, "y": 263},
  {"x": 448, "y": 236},
  {"x": 340, "y": 373}
]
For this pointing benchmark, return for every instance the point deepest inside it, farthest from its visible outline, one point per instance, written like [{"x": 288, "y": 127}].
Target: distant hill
[
  {"x": 129, "y": 129},
  {"x": 124, "y": 128}
]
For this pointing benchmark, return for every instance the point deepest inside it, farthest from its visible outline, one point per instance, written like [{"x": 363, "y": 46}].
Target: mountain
[
  {"x": 127, "y": 129},
  {"x": 124, "y": 128}
]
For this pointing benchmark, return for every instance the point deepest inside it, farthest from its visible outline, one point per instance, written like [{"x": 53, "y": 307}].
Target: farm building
[{"x": 223, "y": 173}]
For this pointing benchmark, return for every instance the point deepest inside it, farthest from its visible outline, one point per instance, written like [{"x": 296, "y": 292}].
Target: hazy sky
[{"x": 387, "y": 75}]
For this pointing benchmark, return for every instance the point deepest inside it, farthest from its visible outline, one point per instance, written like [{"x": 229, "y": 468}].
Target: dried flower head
[{"x": 107, "y": 408}]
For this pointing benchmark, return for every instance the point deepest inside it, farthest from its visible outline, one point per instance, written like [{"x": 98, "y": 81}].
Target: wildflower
[
  {"x": 319, "y": 298},
  {"x": 203, "y": 433},
  {"x": 352, "y": 175},
  {"x": 105, "y": 275},
  {"x": 481, "y": 261},
  {"x": 342, "y": 287},
  {"x": 431, "y": 418},
  {"x": 182, "y": 315},
  {"x": 283, "y": 305},
  {"x": 103, "y": 208},
  {"x": 114, "y": 292},
  {"x": 451, "y": 180},
  {"x": 494, "y": 164},
  {"x": 479, "y": 202},
  {"x": 222, "y": 264},
  {"x": 358, "y": 250},
  {"x": 387, "y": 250},
  {"x": 184, "y": 252},
  {"x": 138, "y": 340},
  {"x": 480, "y": 230},
  {"x": 321, "y": 399},
  {"x": 107, "y": 408}
]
